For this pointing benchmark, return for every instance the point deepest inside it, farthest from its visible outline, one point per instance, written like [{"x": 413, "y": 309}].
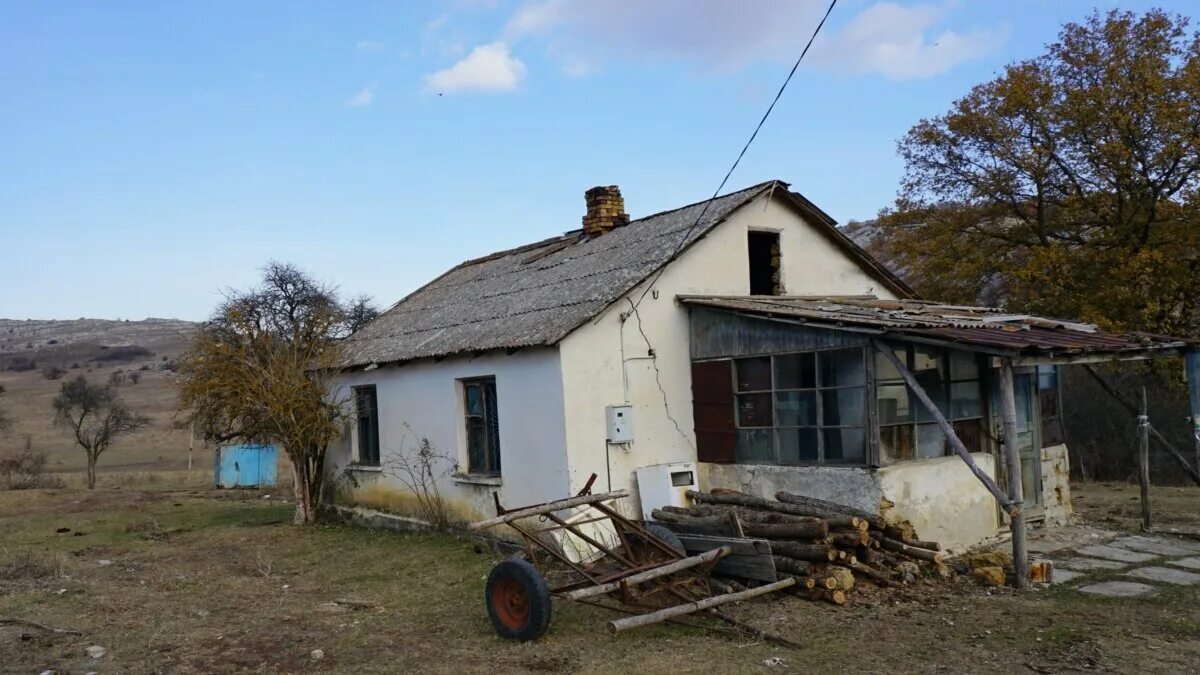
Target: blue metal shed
[{"x": 245, "y": 465}]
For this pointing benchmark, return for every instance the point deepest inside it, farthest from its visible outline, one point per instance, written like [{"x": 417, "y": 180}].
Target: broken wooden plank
[
  {"x": 548, "y": 507},
  {"x": 618, "y": 625},
  {"x": 677, "y": 566},
  {"x": 749, "y": 558}
]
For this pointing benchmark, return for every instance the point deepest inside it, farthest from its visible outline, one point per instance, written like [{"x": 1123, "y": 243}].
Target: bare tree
[
  {"x": 260, "y": 370},
  {"x": 359, "y": 312},
  {"x": 97, "y": 416}
]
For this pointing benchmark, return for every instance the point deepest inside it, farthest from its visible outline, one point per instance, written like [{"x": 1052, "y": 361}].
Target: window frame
[
  {"x": 489, "y": 414},
  {"x": 914, "y": 423},
  {"x": 369, "y": 455},
  {"x": 818, "y": 390}
]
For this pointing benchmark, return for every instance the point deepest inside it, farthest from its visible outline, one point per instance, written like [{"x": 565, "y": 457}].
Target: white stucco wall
[
  {"x": 942, "y": 499},
  {"x": 592, "y": 356},
  {"x": 423, "y": 399}
]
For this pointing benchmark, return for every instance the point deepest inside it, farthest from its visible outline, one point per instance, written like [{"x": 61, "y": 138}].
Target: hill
[{"x": 36, "y": 357}]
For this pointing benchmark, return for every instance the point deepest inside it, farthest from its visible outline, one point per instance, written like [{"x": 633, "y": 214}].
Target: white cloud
[
  {"x": 363, "y": 98},
  {"x": 488, "y": 68},
  {"x": 886, "y": 38},
  {"x": 370, "y": 46}
]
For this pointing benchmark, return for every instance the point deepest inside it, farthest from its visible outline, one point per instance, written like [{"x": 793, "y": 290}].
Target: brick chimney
[{"x": 605, "y": 210}]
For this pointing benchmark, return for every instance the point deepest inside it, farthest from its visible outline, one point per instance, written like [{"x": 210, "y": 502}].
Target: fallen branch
[{"x": 17, "y": 621}]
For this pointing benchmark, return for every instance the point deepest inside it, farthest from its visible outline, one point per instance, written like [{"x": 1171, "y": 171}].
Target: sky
[{"x": 154, "y": 153}]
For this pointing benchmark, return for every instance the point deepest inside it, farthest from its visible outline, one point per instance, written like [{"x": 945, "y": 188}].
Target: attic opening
[{"x": 764, "y": 254}]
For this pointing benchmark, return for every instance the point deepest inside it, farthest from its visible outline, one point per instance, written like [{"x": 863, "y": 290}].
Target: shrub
[
  {"x": 123, "y": 353},
  {"x": 135, "y": 377},
  {"x": 24, "y": 470},
  {"x": 53, "y": 372}
]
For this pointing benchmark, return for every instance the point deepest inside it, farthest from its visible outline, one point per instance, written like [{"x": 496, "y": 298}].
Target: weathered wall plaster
[{"x": 943, "y": 500}]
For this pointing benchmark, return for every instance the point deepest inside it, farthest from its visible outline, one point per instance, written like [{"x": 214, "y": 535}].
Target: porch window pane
[
  {"x": 753, "y": 374},
  {"x": 797, "y": 446},
  {"x": 893, "y": 404},
  {"x": 795, "y": 371},
  {"x": 474, "y": 399},
  {"x": 896, "y": 442},
  {"x": 937, "y": 393},
  {"x": 796, "y": 408},
  {"x": 970, "y": 432},
  {"x": 755, "y": 446},
  {"x": 966, "y": 400},
  {"x": 844, "y": 407},
  {"x": 931, "y": 442},
  {"x": 476, "y": 442},
  {"x": 964, "y": 366},
  {"x": 754, "y": 410},
  {"x": 842, "y": 368},
  {"x": 884, "y": 370},
  {"x": 845, "y": 445}
]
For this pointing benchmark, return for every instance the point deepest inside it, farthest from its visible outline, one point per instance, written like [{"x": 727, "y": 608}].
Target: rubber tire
[
  {"x": 659, "y": 530},
  {"x": 537, "y": 597}
]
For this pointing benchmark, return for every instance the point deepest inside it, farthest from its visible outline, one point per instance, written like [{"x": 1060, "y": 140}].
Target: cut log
[
  {"x": 549, "y": 507},
  {"x": 880, "y": 578},
  {"x": 900, "y": 531},
  {"x": 917, "y": 543},
  {"x": 843, "y": 576},
  {"x": 816, "y": 529},
  {"x": 748, "y": 514},
  {"x": 913, "y": 551},
  {"x": 792, "y": 566},
  {"x": 723, "y": 525},
  {"x": 802, "y": 583},
  {"x": 761, "y": 503},
  {"x": 829, "y": 508},
  {"x": 618, "y": 625},
  {"x": 851, "y": 540},
  {"x": 834, "y": 597},
  {"x": 814, "y": 552}
]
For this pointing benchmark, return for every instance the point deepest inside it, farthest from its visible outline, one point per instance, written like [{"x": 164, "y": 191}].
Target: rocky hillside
[{"x": 37, "y": 356}]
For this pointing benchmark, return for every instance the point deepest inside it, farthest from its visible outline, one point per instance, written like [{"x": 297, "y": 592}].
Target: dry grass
[{"x": 232, "y": 587}]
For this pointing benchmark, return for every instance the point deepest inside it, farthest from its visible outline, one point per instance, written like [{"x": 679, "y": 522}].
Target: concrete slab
[
  {"x": 1085, "y": 564},
  {"x": 1114, "y": 553},
  {"x": 1118, "y": 589},
  {"x": 1156, "y": 545},
  {"x": 1165, "y": 575},
  {"x": 1061, "y": 576},
  {"x": 1190, "y": 563}
]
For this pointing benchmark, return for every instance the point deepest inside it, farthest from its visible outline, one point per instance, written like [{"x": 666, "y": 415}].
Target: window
[
  {"x": 952, "y": 380},
  {"x": 801, "y": 408},
  {"x": 483, "y": 427},
  {"x": 1050, "y": 402},
  {"x": 764, "y": 263},
  {"x": 366, "y": 408}
]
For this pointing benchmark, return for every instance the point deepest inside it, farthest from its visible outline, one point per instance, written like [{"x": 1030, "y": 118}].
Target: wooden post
[
  {"x": 956, "y": 443},
  {"x": 1016, "y": 491},
  {"x": 191, "y": 443},
  {"x": 1144, "y": 462}
]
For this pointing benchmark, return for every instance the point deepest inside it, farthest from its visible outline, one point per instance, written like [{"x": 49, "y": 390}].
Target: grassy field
[{"x": 179, "y": 578}]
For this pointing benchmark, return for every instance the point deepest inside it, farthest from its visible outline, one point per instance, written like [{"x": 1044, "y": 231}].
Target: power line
[{"x": 737, "y": 161}]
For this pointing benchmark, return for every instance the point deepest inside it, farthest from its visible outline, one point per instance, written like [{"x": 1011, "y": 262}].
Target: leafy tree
[
  {"x": 260, "y": 370},
  {"x": 1069, "y": 185},
  {"x": 97, "y": 416}
]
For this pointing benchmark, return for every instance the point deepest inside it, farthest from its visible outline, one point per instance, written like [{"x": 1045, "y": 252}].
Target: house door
[{"x": 1028, "y": 438}]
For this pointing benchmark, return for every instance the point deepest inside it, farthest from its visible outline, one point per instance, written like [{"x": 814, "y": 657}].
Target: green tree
[
  {"x": 96, "y": 416},
  {"x": 1068, "y": 185},
  {"x": 261, "y": 370}
]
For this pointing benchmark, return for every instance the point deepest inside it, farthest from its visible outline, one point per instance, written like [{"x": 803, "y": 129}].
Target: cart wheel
[
  {"x": 653, "y": 552},
  {"x": 518, "y": 601}
]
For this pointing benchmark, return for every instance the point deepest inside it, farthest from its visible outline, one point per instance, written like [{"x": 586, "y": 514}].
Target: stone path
[{"x": 1130, "y": 553}]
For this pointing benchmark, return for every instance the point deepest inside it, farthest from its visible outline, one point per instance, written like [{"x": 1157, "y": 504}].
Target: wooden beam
[
  {"x": 1183, "y": 463},
  {"x": 549, "y": 507},
  {"x": 1016, "y": 492},
  {"x": 677, "y": 566},
  {"x": 1144, "y": 463},
  {"x": 1007, "y": 504},
  {"x": 618, "y": 625}
]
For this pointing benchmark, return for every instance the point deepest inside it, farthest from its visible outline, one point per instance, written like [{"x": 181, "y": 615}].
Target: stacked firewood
[{"x": 826, "y": 546}]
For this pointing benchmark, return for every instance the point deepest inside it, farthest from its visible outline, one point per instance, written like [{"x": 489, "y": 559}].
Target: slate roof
[
  {"x": 539, "y": 293},
  {"x": 984, "y": 329}
]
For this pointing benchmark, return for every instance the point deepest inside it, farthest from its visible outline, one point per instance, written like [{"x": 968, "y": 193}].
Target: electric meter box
[
  {"x": 620, "y": 423},
  {"x": 662, "y": 485}
]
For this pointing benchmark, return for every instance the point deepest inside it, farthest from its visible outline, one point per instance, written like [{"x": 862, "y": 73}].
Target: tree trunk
[
  {"x": 306, "y": 493},
  {"x": 91, "y": 471}
]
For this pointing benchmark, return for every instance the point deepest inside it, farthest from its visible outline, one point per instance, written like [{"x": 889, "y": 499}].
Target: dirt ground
[{"x": 186, "y": 579}]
